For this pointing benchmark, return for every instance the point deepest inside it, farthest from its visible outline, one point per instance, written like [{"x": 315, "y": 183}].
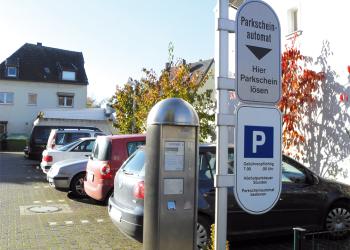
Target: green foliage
[{"x": 133, "y": 101}]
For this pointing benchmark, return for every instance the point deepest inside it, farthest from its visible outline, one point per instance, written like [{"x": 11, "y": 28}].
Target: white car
[
  {"x": 68, "y": 175},
  {"x": 78, "y": 149}
]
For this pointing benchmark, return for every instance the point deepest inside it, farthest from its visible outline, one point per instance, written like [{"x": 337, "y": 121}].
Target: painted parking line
[
  {"x": 46, "y": 186},
  {"x": 36, "y": 187},
  {"x": 100, "y": 220},
  {"x": 53, "y": 223},
  {"x": 48, "y": 201},
  {"x": 84, "y": 221},
  {"x": 68, "y": 222}
]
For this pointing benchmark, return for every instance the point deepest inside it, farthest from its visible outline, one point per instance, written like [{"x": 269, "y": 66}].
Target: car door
[
  {"x": 238, "y": 221},
  {"x": 301, "y": 200}
]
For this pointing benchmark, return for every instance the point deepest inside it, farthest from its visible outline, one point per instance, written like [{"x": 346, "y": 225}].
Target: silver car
[{"x": 69, "y": 175}]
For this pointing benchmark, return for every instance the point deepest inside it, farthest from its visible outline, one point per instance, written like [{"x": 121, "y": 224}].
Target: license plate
[
  {"x": 116, "y": 214},
  {"x": 90, "y": 177}
]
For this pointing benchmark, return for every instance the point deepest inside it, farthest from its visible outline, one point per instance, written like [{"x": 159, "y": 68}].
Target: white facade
[
  {"x": 318, "y": 21},
  {"x": 322, "y": 37},
  {"x": 21, "y": 113}
]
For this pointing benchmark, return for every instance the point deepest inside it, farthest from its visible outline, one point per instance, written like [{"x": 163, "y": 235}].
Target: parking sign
[{"x": 257, "y": 158}]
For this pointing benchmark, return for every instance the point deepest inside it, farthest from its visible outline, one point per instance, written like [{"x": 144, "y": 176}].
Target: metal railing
[{"x": 325, "y": 240}]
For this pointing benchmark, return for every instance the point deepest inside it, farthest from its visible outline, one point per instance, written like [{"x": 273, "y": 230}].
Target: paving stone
[{"x": 33, "y": 231}]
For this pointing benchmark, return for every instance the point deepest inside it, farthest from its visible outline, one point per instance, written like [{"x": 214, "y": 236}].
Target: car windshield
[{"x": 69, "y": 145}]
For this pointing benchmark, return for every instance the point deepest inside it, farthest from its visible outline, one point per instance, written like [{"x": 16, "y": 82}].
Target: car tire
[
  {"x": 203, "y": 232},
  {"x": 77, "y": 185},
  {"x": 337, "y": 220}
]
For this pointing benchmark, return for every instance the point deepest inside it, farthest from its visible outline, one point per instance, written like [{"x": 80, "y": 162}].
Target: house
[{"x": 36, "y": 77}]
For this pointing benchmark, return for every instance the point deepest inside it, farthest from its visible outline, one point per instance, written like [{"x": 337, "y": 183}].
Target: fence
[{"x": 325, "y": 240}]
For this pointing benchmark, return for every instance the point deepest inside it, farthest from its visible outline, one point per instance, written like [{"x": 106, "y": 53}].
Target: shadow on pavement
[{"x": 85, "y": 200}]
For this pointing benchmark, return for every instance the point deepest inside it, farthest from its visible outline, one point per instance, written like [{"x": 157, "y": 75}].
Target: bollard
[{"x": 299, "y": 234}]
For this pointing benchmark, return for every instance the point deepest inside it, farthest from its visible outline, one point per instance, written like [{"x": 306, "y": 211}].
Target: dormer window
[
  {"x": 68, "y": 75},
  {"x": 12, "y": 72}
]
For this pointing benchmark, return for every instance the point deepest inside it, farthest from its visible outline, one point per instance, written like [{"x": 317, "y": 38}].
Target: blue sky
[{"x": 117, "y": 38}]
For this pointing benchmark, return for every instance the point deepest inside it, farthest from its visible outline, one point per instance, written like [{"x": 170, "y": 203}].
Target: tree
[
  {"x": 91, "y": 103},
  {"x": 299, "y": 88},
  {"x": 135, "y": 99}
]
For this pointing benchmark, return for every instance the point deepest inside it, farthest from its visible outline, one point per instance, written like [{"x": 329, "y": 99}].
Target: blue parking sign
[
  {"x": 258, "y": 158},
  {"x": 258, "y": 142}
]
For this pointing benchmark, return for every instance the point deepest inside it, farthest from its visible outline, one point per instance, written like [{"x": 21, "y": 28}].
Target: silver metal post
[{"x": 221, "y": 70}]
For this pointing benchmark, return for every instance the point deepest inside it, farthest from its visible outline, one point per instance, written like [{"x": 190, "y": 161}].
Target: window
[
  {"x": 6, "y": 97},
  {"x": 207, "y": 164},
  {"x": 65, "y": 99},
  {"x": 103, "y": 149},
  {"x": 293, "y": 20},
  {"x": 291, "y": 174},
  {"x": 3, "y": 128},
  {"x": 85, "y": 146},
  {"x": 132, "y": 146},
  {"x": 68, "y": 75},
  {"x": 64, "y": 138},
  {"x": 11, "y": 71},
  {"x": 32, "y": 99}
]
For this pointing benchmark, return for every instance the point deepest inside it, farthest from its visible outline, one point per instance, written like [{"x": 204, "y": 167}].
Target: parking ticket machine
[{"x": 170, "y": 205}]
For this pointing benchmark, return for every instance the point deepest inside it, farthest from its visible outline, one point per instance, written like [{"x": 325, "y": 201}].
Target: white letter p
[{"x": 257, "y": 142}]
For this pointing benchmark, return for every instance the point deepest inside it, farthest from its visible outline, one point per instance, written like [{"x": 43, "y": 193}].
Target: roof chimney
[
  {"x": 167, "y": 66},
  {"x": 39, "y": 44}
]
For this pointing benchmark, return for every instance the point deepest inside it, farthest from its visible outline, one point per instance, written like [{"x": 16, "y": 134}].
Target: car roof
[
  {"x": 113, "y": 137},
  {"x": 69, "y": 130}
]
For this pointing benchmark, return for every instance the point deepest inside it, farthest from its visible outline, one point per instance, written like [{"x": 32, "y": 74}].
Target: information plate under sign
[
  {"x": 257, "y": 158},
  {"x": 258, "y": 53}
]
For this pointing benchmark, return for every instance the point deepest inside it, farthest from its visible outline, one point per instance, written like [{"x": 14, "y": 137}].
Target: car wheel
[
  {"x": 203, "y": 233},
  {"x": 338, "y": 220},
  {"x": 77, "y": 185}
]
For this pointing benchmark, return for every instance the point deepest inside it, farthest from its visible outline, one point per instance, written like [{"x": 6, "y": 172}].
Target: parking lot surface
[{"x": 34, "y": 215}]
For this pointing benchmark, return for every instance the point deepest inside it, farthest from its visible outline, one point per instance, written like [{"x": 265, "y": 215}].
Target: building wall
[
  {"x": 319, "y": 21},
  {"x": 20, "y": 115},
  {"x": 321, "y": 27}
]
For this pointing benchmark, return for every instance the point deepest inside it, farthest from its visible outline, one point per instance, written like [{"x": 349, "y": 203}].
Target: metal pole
[
  {"x": 298, "y": 238},
  {"x": 221, "y": 70}
]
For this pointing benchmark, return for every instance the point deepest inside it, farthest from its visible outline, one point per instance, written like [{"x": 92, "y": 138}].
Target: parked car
[
  {"x": 108, "y": 155},
  {"x": 80, "y": 148},
  {"x": 39, "y": 136},
  {"x": 306, "y": 201},
  {"x": 61, "y": 137},
  {"x": 68, "y": 175}
]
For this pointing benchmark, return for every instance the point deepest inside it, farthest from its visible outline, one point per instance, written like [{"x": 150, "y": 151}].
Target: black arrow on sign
[{"x": 259, "y": 52}]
